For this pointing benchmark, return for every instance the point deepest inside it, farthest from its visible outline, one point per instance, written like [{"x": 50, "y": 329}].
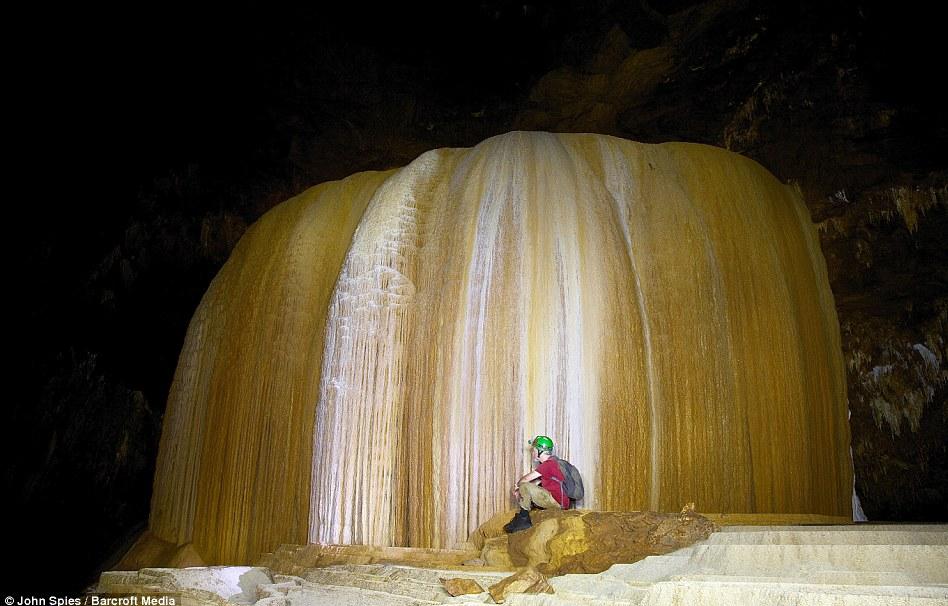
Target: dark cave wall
[
  {"x": 889, "y": 271},
  {"x": 833, "y": 97}
]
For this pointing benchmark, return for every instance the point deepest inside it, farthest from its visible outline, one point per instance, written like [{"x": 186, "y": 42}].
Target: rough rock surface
[
  {"x": 579, "y": 541},
  {"x": 458, "y": 587},
  {"x": 526, "y": 580},
  {"x": 150, "y": 550},
  {"x": 295, "y": 559},
  {"x": 201, "y": 585}
]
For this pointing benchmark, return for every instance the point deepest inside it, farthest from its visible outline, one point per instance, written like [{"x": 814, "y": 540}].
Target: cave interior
[{"x": 150, "y": 138}]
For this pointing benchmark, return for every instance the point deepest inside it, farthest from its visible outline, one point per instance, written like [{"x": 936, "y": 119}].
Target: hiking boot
[{"x": 521, "y": 521}]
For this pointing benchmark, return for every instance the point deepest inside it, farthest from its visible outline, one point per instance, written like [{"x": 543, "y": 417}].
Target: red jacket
[{"x": 552, "y": 479}]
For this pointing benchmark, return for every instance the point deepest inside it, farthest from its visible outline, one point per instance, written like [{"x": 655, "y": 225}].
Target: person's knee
[{"x": 524, "y": 487}]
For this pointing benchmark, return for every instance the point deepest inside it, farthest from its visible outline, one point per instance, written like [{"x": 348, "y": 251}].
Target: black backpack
[{"x": 573, "y": 482}]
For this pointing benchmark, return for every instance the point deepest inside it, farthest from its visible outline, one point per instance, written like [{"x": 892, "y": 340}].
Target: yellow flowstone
[{"x": 367, "y": 365}]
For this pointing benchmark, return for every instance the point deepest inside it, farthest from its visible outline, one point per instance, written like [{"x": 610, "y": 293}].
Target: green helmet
[{"x": 542, "y": 443}]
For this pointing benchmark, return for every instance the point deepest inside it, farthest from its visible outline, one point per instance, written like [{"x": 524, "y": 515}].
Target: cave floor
[{"x": 848, "y": 565}]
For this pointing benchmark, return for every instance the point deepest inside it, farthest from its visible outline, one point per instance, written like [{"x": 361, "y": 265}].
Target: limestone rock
[
  {"x": 186, "y": 556},
  {"x": 814, "y": 565},
  {"x": 296, "y": 559},
  {"x": 211, "y": 585},
  {"x": 527, "y": 580},
  {"x": 276, "y": 590},
  {"x": 496, "y": 552},
  {"x": 458, "y": 587},
  {"x": 491, "y": 529},
  {"x": 151, "y": 551},
  {"x": 579, "y": 541}
]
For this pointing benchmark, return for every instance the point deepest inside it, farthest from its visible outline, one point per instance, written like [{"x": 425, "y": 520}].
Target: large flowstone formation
[{"x": 368, "y": 364}]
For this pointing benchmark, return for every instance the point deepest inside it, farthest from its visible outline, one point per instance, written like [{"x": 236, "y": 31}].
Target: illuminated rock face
[{"x": 367, "y": 366}]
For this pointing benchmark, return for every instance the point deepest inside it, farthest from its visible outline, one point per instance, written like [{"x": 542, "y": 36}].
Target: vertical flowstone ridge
[
  {"x": 235, "y": 458},
  {"x": 368, "y": 365},
  {"x": 361, "y": 401}
]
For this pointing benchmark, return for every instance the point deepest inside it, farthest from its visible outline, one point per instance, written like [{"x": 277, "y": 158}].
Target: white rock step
[
  {"x": 547, "y": 599},
  {"x": 590, "y": 586},
  {"x": 829, "y": 538},
  {"x": 925, "y": 562},
  {"x": 839, "y": 528},
  {"x": 651, "y": 569},
  {"x": 826, "y": 577},
  {"x": 877, "y": 565},
  {"x": 313, "y": 594},
  {"x": 419, "y": 583},
  {"x": 873, "y": 536},
  {"x": 236, "y": 584},
  {"x": 731, "y": 593}
]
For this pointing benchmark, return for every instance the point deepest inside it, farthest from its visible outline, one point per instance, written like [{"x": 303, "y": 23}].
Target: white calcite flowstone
[{"x": 366, "y": 366}]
